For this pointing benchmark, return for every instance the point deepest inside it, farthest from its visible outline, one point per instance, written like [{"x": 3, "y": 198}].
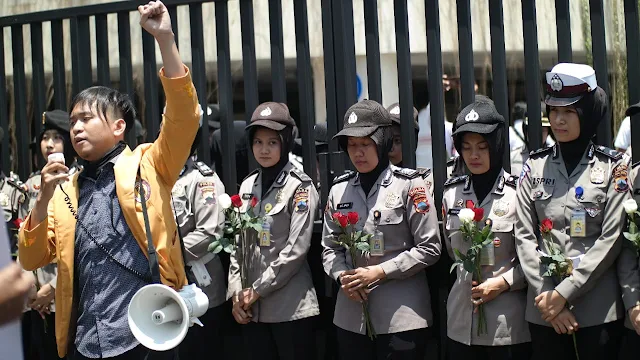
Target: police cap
[
  {"x": 394, "y": 112},
  {"x": 481, "y": 117},
  {"x": 364, "y": 118},
  {"x": 272, "y": 115},
  {"x": 567, "y": 83}
]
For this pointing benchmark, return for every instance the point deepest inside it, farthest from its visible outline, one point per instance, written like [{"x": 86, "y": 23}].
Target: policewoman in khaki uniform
[
  {"x": 200, "y": 217},
  {"x": 395, "y": 155},
  {"x": 580, "y": 187},
  {"x": 394, "y": 205},
  {"x": 629, "y": 275},
  {"x": 479, "y": 138},
  {"x": 279, "y": 305},
  {"x": 54, "y": 138}
]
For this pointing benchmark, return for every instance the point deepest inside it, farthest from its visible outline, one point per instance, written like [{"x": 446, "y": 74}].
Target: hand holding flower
[
  {"x": 487, "y": 291},
  {"x": 362, "y": 277},
  {"x": 565, "y": 322},
  {"x": 550, "y": 304}
]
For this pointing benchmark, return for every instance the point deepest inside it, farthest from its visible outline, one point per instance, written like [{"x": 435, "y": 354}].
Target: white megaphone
[{"x": 159, "y": 317}]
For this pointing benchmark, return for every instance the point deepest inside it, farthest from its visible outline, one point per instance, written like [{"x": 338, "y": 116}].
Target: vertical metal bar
[
  {"x": 563, "y": 29},
  {"x": 305, "y": 88},
  {"x": 499, "y": 70},
  {"x": 465, "y": 49},
  {"x": 173, "y": 14},
  {"x": 126, "y": 68},
  {"x": 102, "y": 50},
  {"x": 632, "y": 32},
  {"x": 225, "y": 95},
  {"x": 278, "y": 78},
  {"x": 404, "y": 85},
  {"x": 59, "y": 71},
  {"x": 599, "y": 50},
  {"x": 249, "y": 67},
  {"x": 345, "y": 58},
  {"x": 80, "y": 58},
  {"x": 331, "y": 105},
  {"x": 532, "y": 71},
  {"x": 20, "y": 99},
  {"x": 4, "y": 115},
  {"x": 374, "y": 77},
  {"x": 199, "y": 76},
  {"x": 38, "y": 84},
  {"x": 436, "y": 95},
  {"x": 152, "y": 105}
]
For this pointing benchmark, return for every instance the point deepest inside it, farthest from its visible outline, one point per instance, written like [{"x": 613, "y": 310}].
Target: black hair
[{"x": 106, "y": 100}]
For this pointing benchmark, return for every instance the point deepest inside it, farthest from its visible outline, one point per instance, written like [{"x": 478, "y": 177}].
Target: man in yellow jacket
[{"x": 93, "y": 223}]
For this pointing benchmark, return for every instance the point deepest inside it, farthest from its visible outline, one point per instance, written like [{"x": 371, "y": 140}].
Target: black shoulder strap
[{"x": 151, "y": 249}]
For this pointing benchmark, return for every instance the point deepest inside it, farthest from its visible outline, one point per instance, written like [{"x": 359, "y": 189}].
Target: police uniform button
[
  {"x": 562, "y": 230},
  {"x": 388, "y": 219}
]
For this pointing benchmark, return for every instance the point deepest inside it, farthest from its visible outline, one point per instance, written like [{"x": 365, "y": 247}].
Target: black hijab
[
  {"x": 591, "y": 109},
  {"x": 383, "y": 137}
]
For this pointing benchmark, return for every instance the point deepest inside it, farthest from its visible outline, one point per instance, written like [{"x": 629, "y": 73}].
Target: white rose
[
  {"x": 630, "y": 206},
  {"x": 224, "y": 200},
  {"x": 466, "y": 215}
]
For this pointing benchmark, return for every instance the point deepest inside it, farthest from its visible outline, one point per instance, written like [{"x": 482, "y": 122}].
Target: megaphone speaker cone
[{"x": 158, "y": 317}]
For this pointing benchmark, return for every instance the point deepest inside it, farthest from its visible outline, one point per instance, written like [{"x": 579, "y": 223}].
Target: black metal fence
[{"x": 339, "y": 61}]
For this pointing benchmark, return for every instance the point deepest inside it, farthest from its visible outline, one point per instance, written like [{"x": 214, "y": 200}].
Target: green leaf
[
  {"x": 458, "y": 254},
  {"x": 363, "y": 247},
  {"x": 229, "y": 248},
  {"x": 217, "y": 249},
  {"x": 469, "y": 265},
  {"x": 558, "y": 258},
  {"x": 213, "y": 245},
  {"x": 344, "y": 238},
  {"x": 256, "y": 227}
]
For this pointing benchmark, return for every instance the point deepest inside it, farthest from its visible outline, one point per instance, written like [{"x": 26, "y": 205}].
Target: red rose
[
  {"x": 236, "y": 201},
  {"x": 470, "y": 205},
  {"x": 340, "y": 219},
  {"x": 254, "y": 201},
  {"x": 546, "y": 226},
  {"x": 17, "y": 222},
  {"x": 353, "y": 217},
  {"x": 479, "y": 214}
]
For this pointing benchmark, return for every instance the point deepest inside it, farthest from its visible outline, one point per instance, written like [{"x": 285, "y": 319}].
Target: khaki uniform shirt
[
  {"x": 547, "y": 191},
  {"x": 409, "y": 224},
  {"x": 504, "y": 314},
  {"x": 628, "y": 261},
  {"x": 14, "y": 201},
  {"x": 200, "y": 217},
  {"x": 280, "y": 273}
]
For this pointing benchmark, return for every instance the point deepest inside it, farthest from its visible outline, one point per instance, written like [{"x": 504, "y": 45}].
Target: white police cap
[{"x": 567, "y": 83}]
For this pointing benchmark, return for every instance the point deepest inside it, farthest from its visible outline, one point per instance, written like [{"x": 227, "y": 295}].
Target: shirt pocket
[
  {"x": 391, "y": 216},
  {"x": 541, "y": 197},
  {"x": 593, "y": 202},
  {"x": 279, "y": 220},
  {"x": 503, "y": 242}
]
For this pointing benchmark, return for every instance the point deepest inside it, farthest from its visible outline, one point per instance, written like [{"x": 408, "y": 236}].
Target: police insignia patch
[
  {"x": 593, "y": 212},
  {"x": 620, "y": 174},
  {"x": 146, "y": 189},
  {"x": 500, "y": 208},
  {"x": 208, "y": 192},
  {"x": 301, "y": 199},
  {"x": 524, "y": 173},
  {"x": 420, "y": 202}
]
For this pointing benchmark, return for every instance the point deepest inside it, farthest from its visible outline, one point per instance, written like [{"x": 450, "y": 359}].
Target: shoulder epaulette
[
  {"x": 203, "y": 168},
  {"x": 17, "y": 184},
  {"x": 512, "y": 181},
  {"x": 424, "y": 172},
  {"x": 254, "y": 172},
  {"x": 407, "y": 173},
  {"x": 455, "y": 180},
  {"x": 635, "y": 165},
  {"x": 540, "y": 151},
  {"x": 344, "y": 177},
  {"x": 300, "y": 174},
  {"x": 614, "y": 154},
  {"x": 452, "y": 160}
]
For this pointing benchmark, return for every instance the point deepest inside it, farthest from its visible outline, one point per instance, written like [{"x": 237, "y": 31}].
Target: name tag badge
[
  {"x": 265, "y": 234},
  {"x": 376, "y": 244},
  {"x": 578, "y": 223}
]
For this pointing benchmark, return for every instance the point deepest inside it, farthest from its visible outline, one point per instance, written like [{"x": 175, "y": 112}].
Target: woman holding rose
[
  {"x": 383, "y": 310},
  {"x": 486, "y": 307},
  {"x": 277, "y": 303},
  {"x": 580, "y": 188}
]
